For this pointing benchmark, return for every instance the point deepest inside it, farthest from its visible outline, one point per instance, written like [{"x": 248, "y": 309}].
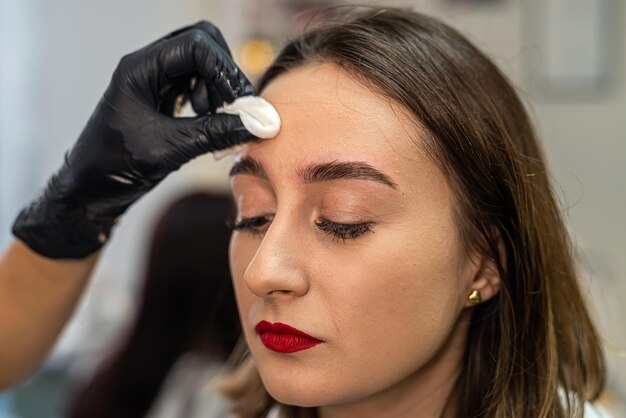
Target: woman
[
  {"x": 185, "y": 327},
  {"x": 398, "y": 249}
]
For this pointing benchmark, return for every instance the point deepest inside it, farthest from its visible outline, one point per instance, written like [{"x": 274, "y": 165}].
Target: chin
[
  {"x": 308, "y": 393},
  {"x": 301, "y": 392}
]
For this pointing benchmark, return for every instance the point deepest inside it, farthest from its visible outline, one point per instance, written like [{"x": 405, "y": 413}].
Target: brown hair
[{"x": 534, "y": 342}]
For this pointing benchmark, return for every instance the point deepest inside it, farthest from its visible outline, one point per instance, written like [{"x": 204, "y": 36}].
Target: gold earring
[{"x": 474, "y": 297}]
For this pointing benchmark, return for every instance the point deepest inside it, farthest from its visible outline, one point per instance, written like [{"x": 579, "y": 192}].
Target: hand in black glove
[{"x": 132, "y": 141}]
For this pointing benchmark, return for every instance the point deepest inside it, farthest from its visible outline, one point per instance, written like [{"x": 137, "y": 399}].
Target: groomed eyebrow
[
  {"x": 248, "y": 165},
  {"x": 338, "y": 170},
  {"x": 320, "y": 172}
]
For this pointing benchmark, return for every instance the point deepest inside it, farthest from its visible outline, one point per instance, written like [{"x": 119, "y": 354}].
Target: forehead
[{"x": 326, "y": 115}]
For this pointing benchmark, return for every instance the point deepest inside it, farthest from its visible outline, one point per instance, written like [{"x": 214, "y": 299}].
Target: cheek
[
  {"x": 414, "y": 271},
  {"x": 393, "y": 304},
  {"x": 392, "y": 286}
]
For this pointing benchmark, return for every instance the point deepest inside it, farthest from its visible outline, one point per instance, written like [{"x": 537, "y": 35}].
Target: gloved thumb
[
  {"x": 199, "y": 135},
  {"x": 245, "y": 119}
]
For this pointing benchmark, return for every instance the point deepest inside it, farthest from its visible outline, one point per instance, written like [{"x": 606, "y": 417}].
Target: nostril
[{"x": 279, "y": 292}]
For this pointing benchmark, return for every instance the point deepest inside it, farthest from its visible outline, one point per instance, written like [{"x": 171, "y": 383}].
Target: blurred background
[{"x": 567, "y": 58}]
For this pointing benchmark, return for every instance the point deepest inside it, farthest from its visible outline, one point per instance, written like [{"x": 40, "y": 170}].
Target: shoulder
[{"x": 594, "y": 411}]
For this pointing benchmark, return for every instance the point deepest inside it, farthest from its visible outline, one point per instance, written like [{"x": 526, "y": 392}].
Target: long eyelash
[
  {"x": 344, "y": 231},
  {"x": 252, "y": 225}
]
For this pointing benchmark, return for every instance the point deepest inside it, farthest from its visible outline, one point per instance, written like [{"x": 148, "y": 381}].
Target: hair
[
  {"x": 534, "y": 342},
  {"x": 188, "y": 304}
]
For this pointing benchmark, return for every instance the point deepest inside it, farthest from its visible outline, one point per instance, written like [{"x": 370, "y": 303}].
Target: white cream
[{"x": 257, "y": 115}]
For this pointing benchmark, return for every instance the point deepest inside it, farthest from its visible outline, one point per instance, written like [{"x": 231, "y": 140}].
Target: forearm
[{"x": 37, "y": 297}]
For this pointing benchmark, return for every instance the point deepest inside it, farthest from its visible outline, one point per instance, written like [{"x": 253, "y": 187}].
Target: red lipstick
[{"x": 283, "y": 338}]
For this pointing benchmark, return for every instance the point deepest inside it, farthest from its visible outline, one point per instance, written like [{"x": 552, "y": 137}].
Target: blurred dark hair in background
[{"x": 187, "y": 305}]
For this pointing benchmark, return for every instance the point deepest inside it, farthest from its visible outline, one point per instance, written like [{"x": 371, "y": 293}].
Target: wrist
[{"x": 56, "y": 230}]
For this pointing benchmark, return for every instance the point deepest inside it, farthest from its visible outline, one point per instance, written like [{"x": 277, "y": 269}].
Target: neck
[{"x": 428, "y": 392}]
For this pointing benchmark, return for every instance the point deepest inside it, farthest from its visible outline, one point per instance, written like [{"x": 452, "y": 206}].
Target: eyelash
[
  {"x": 343, "y": 231},
  {"x": 252, "y": 225},
  {"x": 337, "y": 230}
]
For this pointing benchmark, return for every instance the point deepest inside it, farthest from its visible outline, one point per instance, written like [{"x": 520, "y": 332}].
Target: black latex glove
[{"x": 132, "y": 141}]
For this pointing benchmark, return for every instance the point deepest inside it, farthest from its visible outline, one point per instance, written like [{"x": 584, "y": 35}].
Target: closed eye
[
  {"x": 258, "y": 225},
  {"x": 344, "y": 231}
]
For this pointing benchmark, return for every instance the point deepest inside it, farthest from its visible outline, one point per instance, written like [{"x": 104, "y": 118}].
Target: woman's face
[{"x": 345, "y": 231}]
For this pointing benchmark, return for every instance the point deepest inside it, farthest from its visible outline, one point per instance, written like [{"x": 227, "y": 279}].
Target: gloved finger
[
  {"x": 196, "y": 52},
  {"x": 200, "y": 97},
  {"x": 206, "y": 26},
  {"x": 215, "y": 33},
  {"x": 202, "y": 134},
  {"x": 215, "y": 100},
  {"x": 203, "y": 99},
  {"x": 174, "y": 96}
]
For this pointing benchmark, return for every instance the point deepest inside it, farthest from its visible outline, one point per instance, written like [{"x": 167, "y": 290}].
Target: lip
[{"x": 283, "y": 338}]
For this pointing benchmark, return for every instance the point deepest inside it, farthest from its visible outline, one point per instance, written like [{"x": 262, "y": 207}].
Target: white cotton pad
[{"x": 257, "y": 115}]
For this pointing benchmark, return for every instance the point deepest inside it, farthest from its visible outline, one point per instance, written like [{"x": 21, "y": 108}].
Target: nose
[{"x": 278, "y": 269}]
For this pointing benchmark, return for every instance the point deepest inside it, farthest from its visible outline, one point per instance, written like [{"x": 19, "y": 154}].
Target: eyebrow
[{"x": 320, "y": 172}]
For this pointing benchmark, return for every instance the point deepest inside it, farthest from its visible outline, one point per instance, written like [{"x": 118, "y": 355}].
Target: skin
[
  {"x": 37, "y": 297},
  {"x": 390, "y": 305}
]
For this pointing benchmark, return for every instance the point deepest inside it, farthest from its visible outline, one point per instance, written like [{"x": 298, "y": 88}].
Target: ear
[{"x": 487, "y": 279}]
